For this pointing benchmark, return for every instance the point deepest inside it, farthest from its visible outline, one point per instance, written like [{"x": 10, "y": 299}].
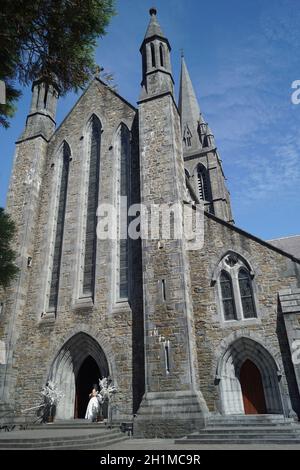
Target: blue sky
[{"x": 243, "y": 57}]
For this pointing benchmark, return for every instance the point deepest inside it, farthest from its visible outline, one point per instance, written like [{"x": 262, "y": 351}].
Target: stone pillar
[
  {"x": 23, "y": 206},
  {"x": 172, "y": 404}
]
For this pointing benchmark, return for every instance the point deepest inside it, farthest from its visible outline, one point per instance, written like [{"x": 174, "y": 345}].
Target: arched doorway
[
  {"x": 78, "y": 365},
  {"x": 252, "y": 389},
  {"x": 87, "y": 376},
  {"x": 247, "y": 369}
]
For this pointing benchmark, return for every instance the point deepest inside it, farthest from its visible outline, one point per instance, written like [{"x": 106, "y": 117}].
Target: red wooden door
[{"x": 252, "y": 389}]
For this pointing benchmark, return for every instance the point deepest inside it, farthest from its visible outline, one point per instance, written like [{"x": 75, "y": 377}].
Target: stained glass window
[
  {"x": 92, "y": 204},
  {"x": 60, "y": 221},
  {"x": 123, "y": 220},
  {"x": 227, "y": 296},
  {"x": 246, "y": 292}
]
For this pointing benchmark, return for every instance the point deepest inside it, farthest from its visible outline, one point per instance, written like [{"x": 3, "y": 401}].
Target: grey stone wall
[
  {"x": 272, "y": 272},
  {"x": 40, "y": 336}
]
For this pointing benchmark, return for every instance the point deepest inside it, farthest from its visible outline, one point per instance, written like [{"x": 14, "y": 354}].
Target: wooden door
[{"x": 252, "y": 389}]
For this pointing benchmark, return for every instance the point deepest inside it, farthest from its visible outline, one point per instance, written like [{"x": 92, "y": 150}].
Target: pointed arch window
[
  {"x": 153, "y": 61},
  {"x": 187, "y": 136},
  {"x": 123, "y": 246},
  {"x": 227, "y": 296},
  {"x": 59, "y": 231},
  {"x": 123, "y": 165},
  {"x": 236, "y": 288},
  {"x": 88, "y": 281},
  {"x": 161, "y": 54},
  {"x": 246, "y": 293},
  {"x": 202, "y": 183}
]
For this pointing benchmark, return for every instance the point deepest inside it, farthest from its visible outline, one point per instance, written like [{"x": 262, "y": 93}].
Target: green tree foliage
[
  {"x": 53, "y": 39},
  {"x": 8, "y": 269}
]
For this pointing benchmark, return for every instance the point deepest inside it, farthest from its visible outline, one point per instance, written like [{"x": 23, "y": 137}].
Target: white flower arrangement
[
  {"x": 51, "y": 394},
  {"x": 107, "y": 390}
]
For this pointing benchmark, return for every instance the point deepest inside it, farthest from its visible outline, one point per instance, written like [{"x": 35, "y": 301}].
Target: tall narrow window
[
  {"x": 203, "y": 190},
  {"x": 227, "y": 296},
  {"x": 153, "y": 55},
  {"x": 187, "y": 136},
  {"x": 161, "y": 54},
  {"x": 245, "y": 285},
  {"x": 144, "y": 62},
  {"x": 123, "y": 204},
  {"x": 91, "y": 214},
  {"x": 62, "y": 197}
]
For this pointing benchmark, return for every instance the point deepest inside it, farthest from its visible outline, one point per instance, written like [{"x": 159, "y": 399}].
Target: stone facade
[
  {"x": 272, "y": 271},
  {"x": 177, "y": 345}
]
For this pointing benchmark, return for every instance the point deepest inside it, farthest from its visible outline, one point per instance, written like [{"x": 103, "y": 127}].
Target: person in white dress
[{"x": 94, "y": 405}]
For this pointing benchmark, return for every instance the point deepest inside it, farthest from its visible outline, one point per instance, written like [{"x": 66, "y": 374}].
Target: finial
[
  {"x": 153, "y": 11},
  {"x": 182, "y": 53},
  {"x": 98, "y": 70}
]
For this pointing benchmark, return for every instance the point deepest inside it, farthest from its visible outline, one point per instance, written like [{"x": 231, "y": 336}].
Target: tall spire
[
  {"x": 202, "y": 162},
  {"x": 157, "y": 71},
  {"x": 188, "y": 103},
  {"x": 154, "y": 28},
  {"x": 189, "y": 109}
]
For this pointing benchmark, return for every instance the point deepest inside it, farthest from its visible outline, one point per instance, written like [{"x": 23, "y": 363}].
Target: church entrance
[
  {"x": 252, "y": 389},
  {"x": 88, "y": 375},
  {"x": 248, "y": 379},
  {"x": 77, "y": 367}
]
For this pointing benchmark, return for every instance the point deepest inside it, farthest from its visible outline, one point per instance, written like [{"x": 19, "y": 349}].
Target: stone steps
[
  {"x": 75, "y": 444},
  {"x": 295, "y": 430},
  {"x": 240, "y": 440},
  {"x": 60, "y": 437},
  {"x": 241, "y": 429},
  {"x": 85, "y": 425},
  {"x": 89, "y": 446},
  {"x": 248, "y": 420}
]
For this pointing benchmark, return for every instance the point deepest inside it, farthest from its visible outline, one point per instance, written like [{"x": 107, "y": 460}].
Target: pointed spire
[
  {"x": 210, "y": 137},
  {"x": 189, "y": 108},
  {"x": 154, "y": 28},
  {"x": 157, "y": 69},
  {"x": 200, "y": 134},
  {"x": 188, "y": 104}
]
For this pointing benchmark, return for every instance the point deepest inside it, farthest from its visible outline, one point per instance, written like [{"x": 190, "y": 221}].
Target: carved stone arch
[
  {"x": 67, "y": 363},
  {"x": 88, "y": 123},
  {"x": 251, "y": 335},
  {"x": 230, "y": 362},
  {"x": 217, "y": 267},
  {"x": 59, "y": 148},
  {"x": 97, "y": 335},
  {"x": 196, "y": 166},
  {"x": 126, "y": 122}
]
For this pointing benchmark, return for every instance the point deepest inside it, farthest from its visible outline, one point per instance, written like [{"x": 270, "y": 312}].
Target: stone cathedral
[{"x": 185, "y": 335}]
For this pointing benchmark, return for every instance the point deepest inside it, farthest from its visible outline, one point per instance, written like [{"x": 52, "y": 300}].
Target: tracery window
[
  {"x": 227, "y": 296},
  {"x": 59, "y": 230},
  {"x": 245, "y": 286},
  {"x": 88, "y": 282},
  {"x": 236, "y": 288}
]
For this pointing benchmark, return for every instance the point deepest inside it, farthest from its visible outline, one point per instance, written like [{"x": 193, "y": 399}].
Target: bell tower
[
  {"x": 23, "y": 202},
  {"x": 156, "y": 62},
  {"x": 173, "y": 403}
]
